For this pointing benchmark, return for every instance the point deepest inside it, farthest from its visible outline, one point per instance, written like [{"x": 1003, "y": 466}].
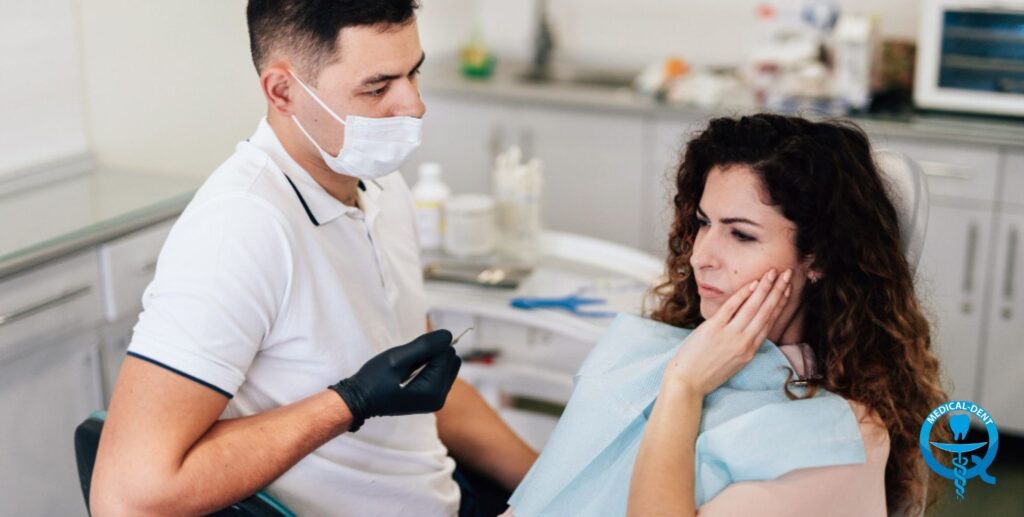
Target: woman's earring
[{"x": 814, "y": 279}]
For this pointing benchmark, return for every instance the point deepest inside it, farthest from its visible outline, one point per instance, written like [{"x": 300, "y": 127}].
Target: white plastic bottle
[
  {"x": 505, "y": 166},
  {"x": 517, "y": 190},
  {"x": 430, "y": 194},
  {"x": 531, "y": 186}
]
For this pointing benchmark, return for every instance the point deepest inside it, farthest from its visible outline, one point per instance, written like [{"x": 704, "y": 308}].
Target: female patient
[{"x": 783, "y": 231}]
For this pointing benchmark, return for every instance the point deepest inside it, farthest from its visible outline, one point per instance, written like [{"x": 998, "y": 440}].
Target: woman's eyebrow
[{"x": 728, "y": 220}]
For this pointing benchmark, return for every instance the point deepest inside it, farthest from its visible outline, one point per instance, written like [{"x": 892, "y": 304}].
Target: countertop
[
  {"x": 506, "y": 86},
  {"x": 67, "y": 214}
]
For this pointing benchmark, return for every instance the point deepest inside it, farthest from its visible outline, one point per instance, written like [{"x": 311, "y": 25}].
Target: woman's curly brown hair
[{"x": 863, "y": 320}]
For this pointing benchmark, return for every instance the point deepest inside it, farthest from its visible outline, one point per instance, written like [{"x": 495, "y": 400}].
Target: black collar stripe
[{"x": 303, "y": 201}]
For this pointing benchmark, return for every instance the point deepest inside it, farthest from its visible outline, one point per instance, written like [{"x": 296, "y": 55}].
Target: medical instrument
[
  {"x": 483, "y": 275},
  {"x": 415, "y": 373},
  {"x": 376, "y": 388},
  {"x": 570, "y": 303}
]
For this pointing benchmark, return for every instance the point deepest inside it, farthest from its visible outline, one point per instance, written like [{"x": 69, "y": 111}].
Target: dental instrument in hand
[{"x": 419, "y": 369}]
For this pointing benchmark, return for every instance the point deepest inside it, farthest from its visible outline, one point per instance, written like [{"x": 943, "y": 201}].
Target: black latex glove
[{"x": 374, "y": 390}]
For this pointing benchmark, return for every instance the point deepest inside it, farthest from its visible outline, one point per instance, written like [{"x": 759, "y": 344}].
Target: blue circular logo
[{"x": 965, "y": 466}]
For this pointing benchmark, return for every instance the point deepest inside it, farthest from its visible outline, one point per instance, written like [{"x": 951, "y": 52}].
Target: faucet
[{"x": 543, "y": 44}]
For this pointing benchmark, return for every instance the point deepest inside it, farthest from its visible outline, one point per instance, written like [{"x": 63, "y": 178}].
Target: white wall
[
  {"x": 41, "y": 90},
  {"x": 635, "y": 32},
  {"x": 169, "y": 86}
]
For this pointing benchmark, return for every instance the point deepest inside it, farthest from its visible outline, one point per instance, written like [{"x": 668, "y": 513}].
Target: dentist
[{"x": 272, "y": 334}]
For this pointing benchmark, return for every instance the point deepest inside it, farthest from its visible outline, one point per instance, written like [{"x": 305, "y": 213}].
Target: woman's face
[{"x": 741, "y": 237}]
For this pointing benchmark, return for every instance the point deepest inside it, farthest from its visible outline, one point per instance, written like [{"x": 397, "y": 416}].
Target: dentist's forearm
[
  {"x": 265, "y": 445},
  {"x": 232, "y": 460},
  {"x": 663, "y": 476},
  {"x": 477, "y": 436}
]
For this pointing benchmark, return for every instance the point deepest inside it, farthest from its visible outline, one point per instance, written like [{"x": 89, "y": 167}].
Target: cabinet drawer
[
  {"x": 954, "y": 171},
  {"x": 1013, "y": 177},
  {"x": 49, "y": 300},
  {"x": 127, "y": 265}
]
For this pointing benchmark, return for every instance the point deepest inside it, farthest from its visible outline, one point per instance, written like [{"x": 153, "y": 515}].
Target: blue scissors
[{"x": 570, "y": 303}]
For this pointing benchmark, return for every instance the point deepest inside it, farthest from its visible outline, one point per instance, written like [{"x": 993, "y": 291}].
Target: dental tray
[{"x": 485, "y": 275}]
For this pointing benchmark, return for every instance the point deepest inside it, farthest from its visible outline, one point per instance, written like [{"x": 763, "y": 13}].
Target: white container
[
  {"x": 522, "y": 234},
  {"x": 430, "y": 195},
  {"x": 856, "y": 39},
  {"x": 517, "y": 190},
  {"x": 470, "y": 227}
]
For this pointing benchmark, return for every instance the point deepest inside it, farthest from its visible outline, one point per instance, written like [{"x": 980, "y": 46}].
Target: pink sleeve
[{"x": 855, "y": 490}]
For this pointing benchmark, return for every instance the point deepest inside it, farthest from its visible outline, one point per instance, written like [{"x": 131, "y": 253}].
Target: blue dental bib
[{"x": 749, "y": 429}]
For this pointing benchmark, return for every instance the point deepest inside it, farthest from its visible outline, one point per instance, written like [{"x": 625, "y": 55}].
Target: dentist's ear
[{"x": 277, "y": 88}]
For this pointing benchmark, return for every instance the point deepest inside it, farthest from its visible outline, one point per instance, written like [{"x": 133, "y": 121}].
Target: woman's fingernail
[
  {"x": 786, "y": 294},
  {"x": 787, "y": 275},
  {"x": 753, "y": 285},
  {"x": 771, "y": 275}
]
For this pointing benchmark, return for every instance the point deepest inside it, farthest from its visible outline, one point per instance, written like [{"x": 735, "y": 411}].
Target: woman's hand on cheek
[{"x": 726, "y": 342}]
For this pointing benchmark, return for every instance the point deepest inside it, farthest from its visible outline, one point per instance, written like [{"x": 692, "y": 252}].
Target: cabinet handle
[
  {"x": 968, "y": 278},
  {"x": 54, "y": 301},
  {"x": 972, "y": 245},
  {"x": 943, "y": 170},
  {"x": 1011, "y": 270}
]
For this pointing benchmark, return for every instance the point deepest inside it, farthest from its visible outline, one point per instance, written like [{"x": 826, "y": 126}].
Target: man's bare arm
[
  {"x": 163, "y": 451},
  {"x": 477, "y": 436}
]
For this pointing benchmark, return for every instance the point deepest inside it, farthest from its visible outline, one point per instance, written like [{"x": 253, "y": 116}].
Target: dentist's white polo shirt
[{"x": 268, "y": 290}]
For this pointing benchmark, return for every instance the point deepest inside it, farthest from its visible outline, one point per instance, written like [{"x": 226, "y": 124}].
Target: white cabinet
[
  {"x": 44, "y": 394},
  {"x": 956, "y": 172},
  {"x": 950, "y": 283},
  {"x": 593, "y": 171},
  {"x": 49, "y": 383},
  {"x": 127, "y": 266},
  {"x": 114, "y": 340},
  {"x": 51, "y": 299},
  {"x": 464, "y": 136},
  {"x": 1002, "y": 389},
  {"x": 953, "y": 276},
  {"x": 1013, "y": 178}
]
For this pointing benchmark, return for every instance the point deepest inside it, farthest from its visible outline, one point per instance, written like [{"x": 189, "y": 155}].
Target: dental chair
[
  {"x": 907, "y": 188},
  {"x": 87, "y": 441}
]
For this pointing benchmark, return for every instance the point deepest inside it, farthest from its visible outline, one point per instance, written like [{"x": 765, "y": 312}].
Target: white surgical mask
[{"x": 373, "y": 147}]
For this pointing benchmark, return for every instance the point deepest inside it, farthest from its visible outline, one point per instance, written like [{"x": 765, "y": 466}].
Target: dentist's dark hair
[
  {"x": 306, "y": 31},
  {"x": 862, "y": 318}
]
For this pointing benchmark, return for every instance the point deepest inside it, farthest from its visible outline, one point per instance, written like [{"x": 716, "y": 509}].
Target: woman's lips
[{"x": 706, "y": 291}]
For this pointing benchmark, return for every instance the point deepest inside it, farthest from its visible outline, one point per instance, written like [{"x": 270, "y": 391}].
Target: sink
[{"x": 612, "y": 79}]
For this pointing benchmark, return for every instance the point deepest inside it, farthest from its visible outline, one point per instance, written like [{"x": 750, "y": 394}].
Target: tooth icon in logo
[{"x": 959, "y": 425}]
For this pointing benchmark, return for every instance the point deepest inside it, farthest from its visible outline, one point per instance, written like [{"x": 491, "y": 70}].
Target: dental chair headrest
[{"x": 908, "y": 190}]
